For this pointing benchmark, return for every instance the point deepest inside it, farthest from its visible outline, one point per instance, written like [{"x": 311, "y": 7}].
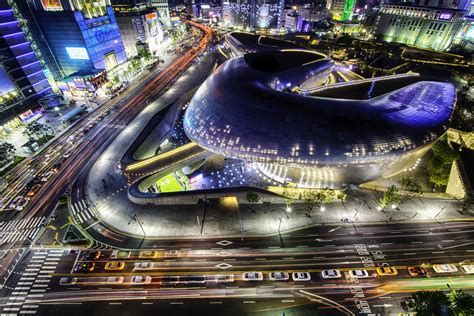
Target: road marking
[
  {"x": 273, "y": 247},
  {"x": 387, "y": 243},
  {"x": 304, "y": 246},
  {"x": 416, "y": 242},
  {"x": 215, "y": 302},
  {"x": 287, "y": 301},
  {"x": 176, "y": 303},
  {"x": 437, "y": 252},
  {"x": 449, "y": 240},
  {"x": 115, "y": 303},
  {"x": 260, "y": 259},
  {"x": 288, "y": 258},
  {"x": 385, "y": 297},
  {"x": 147, "y": 303},
  {"x": 248, "y": 302},
  {"x": 409, "y": 253}
]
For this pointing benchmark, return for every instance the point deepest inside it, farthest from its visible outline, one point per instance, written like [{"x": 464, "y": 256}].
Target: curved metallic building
[{"x": 346, "y": 133}]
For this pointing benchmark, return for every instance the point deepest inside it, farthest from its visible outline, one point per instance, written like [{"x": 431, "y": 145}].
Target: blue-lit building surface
[
  {"x": 22, "y": 78},
  {"x": 73, "y": 37},
  {"x": 346, "y": 133}
]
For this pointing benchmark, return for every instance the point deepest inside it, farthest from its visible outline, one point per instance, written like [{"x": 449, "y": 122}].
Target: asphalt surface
[{"x": 311, "y": 250}]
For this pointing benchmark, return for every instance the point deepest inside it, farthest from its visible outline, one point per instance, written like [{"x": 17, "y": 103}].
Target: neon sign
[{"x": 77, "y": 53}]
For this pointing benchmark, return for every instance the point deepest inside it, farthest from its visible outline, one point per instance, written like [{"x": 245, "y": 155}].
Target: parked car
[
  {"x": 194, "y": 279},
  {"x": 67, "y": 281},
  {"x": 140, "y": 280},
  {"x": 148, "y": 254},
  {"x": 144, "y": 265},
  {"x": 445, "y": 268},
  {"x": 114, "y": 265},
  {"x": 221, "y": 278},
  {"x": 34, "y": 189},
  {"x": 359, "y": 274},
  {"x": 331, "y": 274},
  {"x": 169, "y": 280},
  {"x": 467, "y": 268},
  {"x": 91, "y": 255},
  {"x": 278, "y": 276},
  {"x": 386, "y": 271},
  {"x": 85, "y": 267},
  {"x": 301, "y": 276},
  {"x": 252, "y": 276},
  {"x": 120, "y": 254},
  {"x": 417, "y": 271}
]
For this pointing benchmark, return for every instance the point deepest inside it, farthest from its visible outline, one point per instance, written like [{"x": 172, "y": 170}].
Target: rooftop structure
[{"x": 246, "y": 110}]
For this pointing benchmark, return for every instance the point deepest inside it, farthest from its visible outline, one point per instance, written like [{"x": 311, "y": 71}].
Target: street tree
[
  {"x": 7, "y": 152},
  {"x": 252, "y": 197},
  {"x": 461, "y": 303},
  {"x": 428, "y": 303},
  {"x": 442, "y": 156},
  {"x": 289, "y": 198},
  {"x": 318, "y": 197},
  {"x": 390, "y": 197}
]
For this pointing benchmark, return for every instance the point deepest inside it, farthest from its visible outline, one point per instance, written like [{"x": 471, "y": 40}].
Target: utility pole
[
  {"x": 242, "y": 228},
  {"x": 135, "y": 218},
  {"x": 279, "y": 226}
]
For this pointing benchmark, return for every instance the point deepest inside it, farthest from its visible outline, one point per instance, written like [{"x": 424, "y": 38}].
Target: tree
[
  {"x": 35, "y": 129},
  {"x": 409, "y": 184},
  {"x": 7, "y": 152},
  {"x": 391, "y": 196},
  {"x": 289, "y": 198},
  {"x": 461, "y": 303},
  {"x": 428, "y": 303},
  {"x": 318, "y": 197},
  {"x": 252, "y": 197}
]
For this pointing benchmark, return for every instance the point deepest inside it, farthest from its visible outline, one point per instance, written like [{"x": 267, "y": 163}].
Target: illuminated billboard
[
  {"x": 77, "y": 52},
  {"x": 52, "y": 5},
  {"x": 445, "y": 16}
]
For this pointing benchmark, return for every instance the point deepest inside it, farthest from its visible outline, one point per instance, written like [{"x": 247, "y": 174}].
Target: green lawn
[{"x": 169, "y": 184}]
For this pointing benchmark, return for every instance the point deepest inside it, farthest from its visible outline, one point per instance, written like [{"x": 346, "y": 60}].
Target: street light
[
  {"x": 323, "y": 209},
  {"x": 288, "y": 209}
]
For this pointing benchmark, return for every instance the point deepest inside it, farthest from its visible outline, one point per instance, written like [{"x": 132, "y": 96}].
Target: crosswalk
[
  {"x": 33, "y": 283},
  {"x": 82, "y": 211},
  {"x": 21, "y": 229}
]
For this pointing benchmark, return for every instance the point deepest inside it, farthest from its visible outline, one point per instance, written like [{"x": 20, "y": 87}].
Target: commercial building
[
  {"x": 74, "y": 35},
  {"x": 138, "y": 23},
  {"x": 23, "y": 79},
  {"x": 341, "y": 10},
  {"x": 255, "y": 14},
  {"x": 250, "y": 109},
  {"x": 162, "y": 8},
  {"x": 424, "y": 27}
]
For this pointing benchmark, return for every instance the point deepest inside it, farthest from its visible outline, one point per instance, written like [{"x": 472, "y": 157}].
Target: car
[
  {"x": 278, "y": 276},
  {"x": 221, "y": 278},
  {"x": 169, "y": 280},
  {"x": 194, "y": 279},
  {"x": 85, "y": 267},
  {"x": 140, "y": 280},
  {"x": 467, "y": 268},
  {"x": 144, "y": 265},
  {"x": 301, "y": 276},
  {"x": 45, "y": 176},
  {"x": 91, "y": 255},
  {"x": 331, "y": 274},
  {"x": 385, "y": 271},
  {"x": 358, "y": 274},
  {"x": 172, "y": 253},
  {"x": 67, "y": 154},
  {"x": 114, "y": 265},
  {"x": 417, "y": 271},
  {"x": 18, "y": 203},
  {"x": 34, "y": 189},
  {"x": 252, "y": 276},
  {"x": 67, "y": 281},
  {"x": 148, "y": 254},
  {"x": 113, "y": 280},
  {"x": 445, "y": 268},
  {"x": 120, "y": 254}
]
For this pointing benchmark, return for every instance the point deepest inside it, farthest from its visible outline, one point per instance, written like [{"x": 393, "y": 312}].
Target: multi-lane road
[{"x": 183, "y": 275}]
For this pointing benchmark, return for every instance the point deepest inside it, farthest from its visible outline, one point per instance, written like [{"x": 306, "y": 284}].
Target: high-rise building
[
  {"x": 75, "y": 35},
  {"x": 23, "y": 79},
  {"x": 138, "y": 24},
  {"x": 162, "y": 7},
  {"x": 257, "y": 14},
  {"x": 424, "y": 27},
  {"x": 341, "y": 10}
]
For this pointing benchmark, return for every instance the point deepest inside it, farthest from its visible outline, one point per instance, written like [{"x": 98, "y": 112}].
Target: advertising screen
[
  {"x": 445, "y": 16},
  {"x": 77, "y": 52},
  {"x": 52, "y": 5}
]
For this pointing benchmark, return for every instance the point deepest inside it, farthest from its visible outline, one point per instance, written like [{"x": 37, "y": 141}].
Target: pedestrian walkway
[
  {"x": 33, "y": 283},
  {"x": 20, "y": 230},
  {"x": 82, "y": 211}
]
